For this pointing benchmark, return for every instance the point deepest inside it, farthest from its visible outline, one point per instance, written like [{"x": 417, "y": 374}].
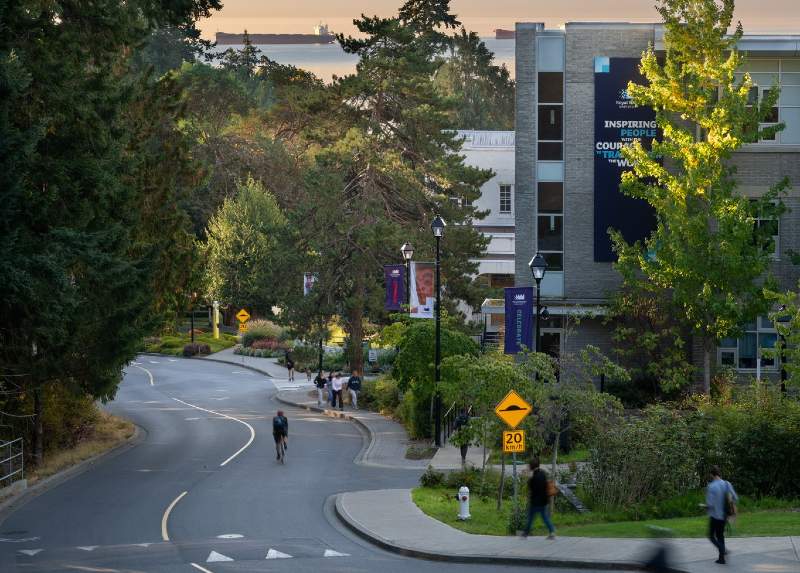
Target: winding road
[{"x": 200, "y": 490}]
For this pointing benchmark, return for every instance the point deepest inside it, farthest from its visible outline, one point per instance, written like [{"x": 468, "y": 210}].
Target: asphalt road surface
[{"x": 202, "y": 491}]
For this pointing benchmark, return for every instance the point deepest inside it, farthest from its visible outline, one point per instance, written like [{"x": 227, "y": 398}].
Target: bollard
[{"x": 463, "y": 503}]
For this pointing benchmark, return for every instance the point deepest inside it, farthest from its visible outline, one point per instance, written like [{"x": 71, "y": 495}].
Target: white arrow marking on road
[
  {"x": 273, "y": 554},
  {"x": 249, "y": 427},
  {"x": 214, "y": 557},
  {"x": 230, "y": 536},
  {"x": 332, "y": 553},
  {"x": 31, "y": 552},
  {"x": 88, "y": 547}
]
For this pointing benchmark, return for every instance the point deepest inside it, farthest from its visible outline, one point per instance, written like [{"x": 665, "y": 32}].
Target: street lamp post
[
  {"x": 437, "y": 226},
  {"x": 538, "y": 267},
  {"x": 191, "y": 319},
  {"x": 408, "y": 252}
]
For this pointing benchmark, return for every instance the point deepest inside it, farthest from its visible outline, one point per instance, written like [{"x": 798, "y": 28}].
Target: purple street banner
[
  {"x": 395, "y": 286},
  {"x": 519, "y": 319},
  {"x": 423, "y": 288}
]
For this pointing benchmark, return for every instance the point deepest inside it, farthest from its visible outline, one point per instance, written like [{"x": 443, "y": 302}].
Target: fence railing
[{"x": 12, "y": 462}]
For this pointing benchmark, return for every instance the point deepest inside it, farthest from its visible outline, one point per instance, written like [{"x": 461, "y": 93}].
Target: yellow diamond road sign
[
  {"x": 512, "y": 409},
  {"x": 243, "y": 315}
]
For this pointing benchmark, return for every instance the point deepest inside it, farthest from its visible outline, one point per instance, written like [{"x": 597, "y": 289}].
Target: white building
[{"x": 494, "y": 150}]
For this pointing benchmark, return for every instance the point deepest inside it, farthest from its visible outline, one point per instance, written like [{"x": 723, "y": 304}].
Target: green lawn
[
  {"x": 440, "y": 504},
  {"x": 173, "y": 344}
]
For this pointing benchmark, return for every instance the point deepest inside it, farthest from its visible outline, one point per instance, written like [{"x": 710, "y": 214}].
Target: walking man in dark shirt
[{"x": 538, "y": 499}]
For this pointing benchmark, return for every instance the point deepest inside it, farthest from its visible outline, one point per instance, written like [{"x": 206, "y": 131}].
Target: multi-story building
[{"x": 568, "y": 126}]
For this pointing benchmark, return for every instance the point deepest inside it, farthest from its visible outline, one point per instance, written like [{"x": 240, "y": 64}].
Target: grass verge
[
  {"x": 173, "y": 343},
  {"x": 110, "y": 431},
  {"x": 439, "y": 503}
]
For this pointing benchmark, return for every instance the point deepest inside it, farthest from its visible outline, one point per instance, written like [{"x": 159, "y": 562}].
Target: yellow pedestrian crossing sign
[
  {"x": 243, "y": 315},
  {"x": 512, "y": 409}
]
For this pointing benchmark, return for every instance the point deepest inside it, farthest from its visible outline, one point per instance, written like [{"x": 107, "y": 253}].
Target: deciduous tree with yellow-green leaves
[{"x": 705, "y": 250}]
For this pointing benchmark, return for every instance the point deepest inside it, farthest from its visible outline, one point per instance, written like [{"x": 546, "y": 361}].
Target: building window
[
  {"x": 505, "y": 198},
  {"x": 550, "y": 223},
  {"x": 786, "y": 73},
  {"x": 767, "y": 226},
  {"x": 742, "y": 353},
  {"x": 550, "y": 116}
]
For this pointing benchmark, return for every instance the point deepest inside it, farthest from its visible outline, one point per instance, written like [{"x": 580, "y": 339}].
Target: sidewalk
[
  {"x": 410, "y": 532},
  {"x": 267, "y": 366}
]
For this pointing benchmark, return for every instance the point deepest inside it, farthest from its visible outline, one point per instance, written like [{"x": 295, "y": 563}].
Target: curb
[
  {"x": 16, "y": 502},
  {"x": 389, "y": 545},
  {"x": 237, "y": 364}
]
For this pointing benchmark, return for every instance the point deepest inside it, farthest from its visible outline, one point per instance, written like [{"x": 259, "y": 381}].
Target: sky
[{"x": 481, "y": 16}]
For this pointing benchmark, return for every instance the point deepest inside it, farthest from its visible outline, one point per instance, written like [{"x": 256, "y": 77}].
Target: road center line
[
  {"x": 196, "y": 566},
  {"x": 249, "y": 427},
  {"x": 149, "y": 374},
  {"x": 165, "y": 517}
]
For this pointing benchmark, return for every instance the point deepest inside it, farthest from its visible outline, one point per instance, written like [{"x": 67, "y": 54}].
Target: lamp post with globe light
[{"x": 437, "y": 226}]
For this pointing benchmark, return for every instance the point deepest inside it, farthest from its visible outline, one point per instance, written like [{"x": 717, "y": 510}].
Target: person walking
[
  {"x": 320, "y": 383},
  {"x": 336, "y": 386},
  {"x": 290, "y": 366},
  {"x": 720, "y": 506},
  {"x": 354, "y": 387},
  {"x": 538, "y": 499},
  {"x": 461, "y": 422}
]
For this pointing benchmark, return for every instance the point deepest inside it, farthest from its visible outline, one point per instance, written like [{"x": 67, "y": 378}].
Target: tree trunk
[
  {"x": 38, "y": 428},
  {"x": 706, "y": 368},
  {"x": 357, "y": 326},
  {"x": 556, "y": 443},
  {"x": 502, "y": 481}
]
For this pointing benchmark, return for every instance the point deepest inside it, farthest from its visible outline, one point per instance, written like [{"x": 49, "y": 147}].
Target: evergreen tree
[{"x": 704, "y": 250}]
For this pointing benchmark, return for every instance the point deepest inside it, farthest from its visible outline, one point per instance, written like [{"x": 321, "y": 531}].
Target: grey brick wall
[
  {"x": 584, "y": 278},
  {"x": 525, "y": 159}
]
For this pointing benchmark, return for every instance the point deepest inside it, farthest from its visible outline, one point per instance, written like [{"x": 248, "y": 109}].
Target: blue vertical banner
[
  {"x": 395, "y": 276},
  {"x": 519, "y": 319},
  {"x": 617, "y": 123}
]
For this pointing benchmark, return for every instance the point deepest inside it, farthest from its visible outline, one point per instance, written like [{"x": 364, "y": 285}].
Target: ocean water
[{"x": 328, "y": 60}]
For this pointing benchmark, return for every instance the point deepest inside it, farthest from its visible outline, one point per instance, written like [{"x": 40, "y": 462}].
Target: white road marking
[
  {"x": 191, "y": 419},
  {"x": 249, "y": 427},
  {"x": 154, "y": 362},
  {"x": 332, "y": 553},
  {"x": 88, "y": 547},
  {"x": 21, "y": 540},
  {"x": 214, "y": 557},
  {"x": 172, "y": 359},
  {"x": 274, "y": 554},
  {"x": 230, "y": 536},
  {"x": 145, "y": 545},
  {"x": 196, "y": 566},
  {"x": 165, "y": 517},
  {"x": 31, "y": 552},
  {"x": 149, "y": 374}
]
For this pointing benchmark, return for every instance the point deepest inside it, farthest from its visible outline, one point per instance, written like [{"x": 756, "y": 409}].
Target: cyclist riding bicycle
[{"x": 280, "y": 431}]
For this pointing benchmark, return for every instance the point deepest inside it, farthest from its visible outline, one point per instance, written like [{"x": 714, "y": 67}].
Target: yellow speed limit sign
[{"x": 514, "y": 441}]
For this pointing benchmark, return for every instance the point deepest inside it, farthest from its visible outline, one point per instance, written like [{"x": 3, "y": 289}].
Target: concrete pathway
[{"x": 409, "y": 531}]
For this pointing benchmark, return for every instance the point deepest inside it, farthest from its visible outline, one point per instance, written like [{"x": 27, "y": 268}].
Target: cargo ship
[
  {"x": 321, "y": 35},
  {"x": 500, "y": 34}
]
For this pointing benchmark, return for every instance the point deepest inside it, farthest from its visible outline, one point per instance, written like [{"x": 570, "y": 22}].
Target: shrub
[
  {"x": 203, "y": 348},
  {"x": 191, "y": 349},
  {"x": 266, "y": 344},
  {"x": 431, "y": 478},
  {"x": 381, "y": 395},
  {"x": 261, "y": 329},
  {"x": 69, "y": 416}
]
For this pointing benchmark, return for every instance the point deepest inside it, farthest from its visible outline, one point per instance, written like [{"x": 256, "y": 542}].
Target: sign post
[{"x": 512, "y": 410}]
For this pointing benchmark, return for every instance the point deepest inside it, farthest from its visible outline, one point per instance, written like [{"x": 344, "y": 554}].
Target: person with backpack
[
  {"x": 720, "y": 505},
  {"x": 320, "y": 382},
  {"x": 354, "y": 387},
  {"x": 539, "y": 494},
  {"x": 280, "y": 432},
  {"x": 290, "y": 366},
  {"x": 461, "y": 422}
]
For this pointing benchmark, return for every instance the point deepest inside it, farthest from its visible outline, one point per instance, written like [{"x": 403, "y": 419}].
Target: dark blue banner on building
[
  {"x": 617, "y": 122},
  {"x": 395, "y": 276},
  {"x": 519, "y": 319}
]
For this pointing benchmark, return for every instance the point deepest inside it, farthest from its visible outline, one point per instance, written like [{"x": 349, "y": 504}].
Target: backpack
[{"x": 277, "y": 425}]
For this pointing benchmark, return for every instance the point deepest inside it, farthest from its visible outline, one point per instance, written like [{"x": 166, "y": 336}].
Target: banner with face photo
[
  {"x": 395, "y": 276},
  {"x": 308, "y": 282},
  {"x": 423, "y": 290}
]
